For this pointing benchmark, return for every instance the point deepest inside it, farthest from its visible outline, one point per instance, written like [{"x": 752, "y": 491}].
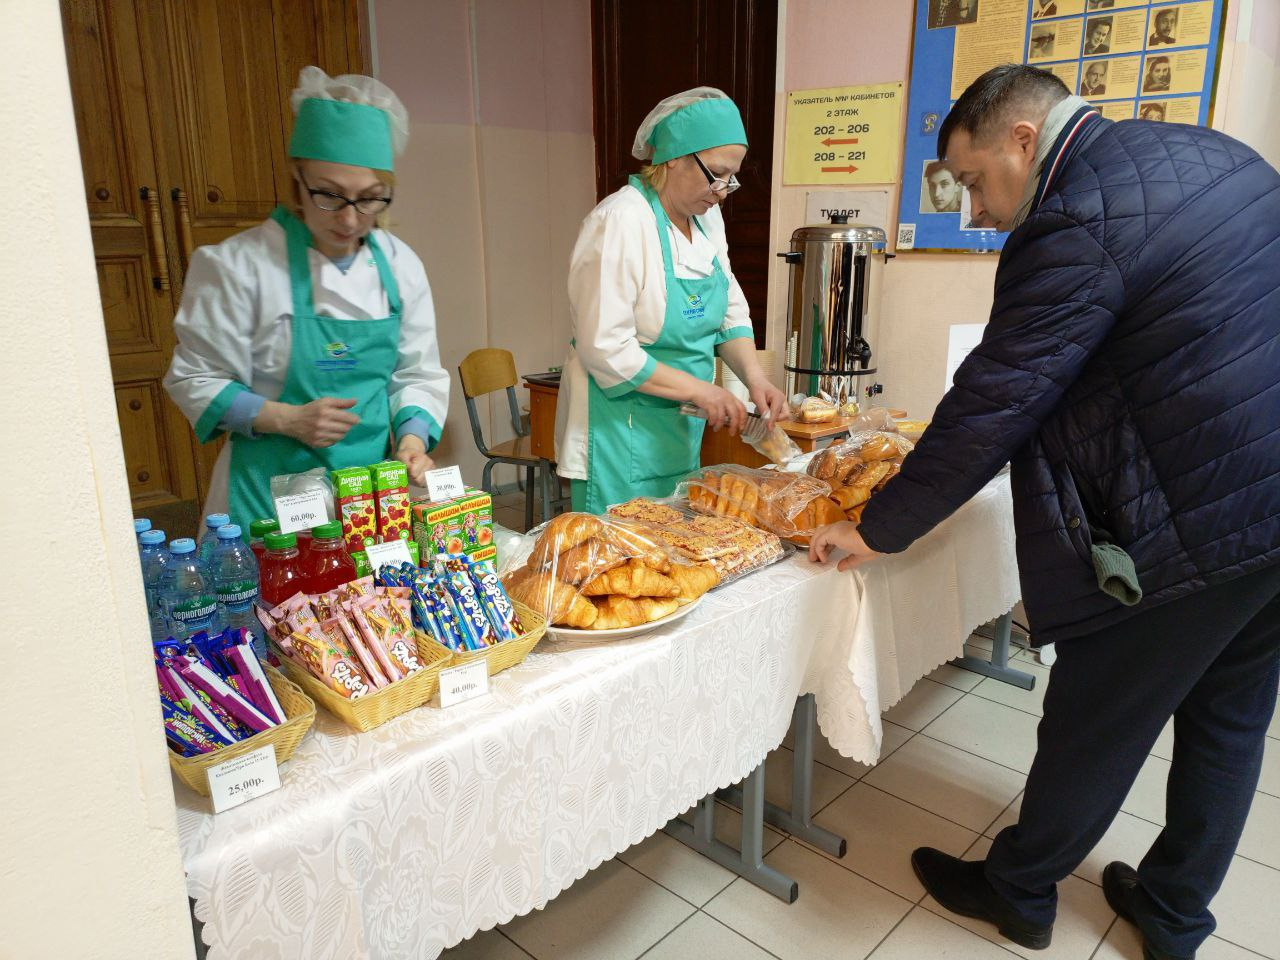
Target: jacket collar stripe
[{"x": 1083, "y": 118}]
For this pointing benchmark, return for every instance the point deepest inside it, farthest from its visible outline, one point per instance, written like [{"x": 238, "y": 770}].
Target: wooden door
[
  {"x": 122, "y": 182},
  {"x": 729, "y": 44},
  {"x": 189, "y": 100}
]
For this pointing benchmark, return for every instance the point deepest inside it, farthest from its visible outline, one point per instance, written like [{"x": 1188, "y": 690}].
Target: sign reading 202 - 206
[{"x": 843, "y": 135}]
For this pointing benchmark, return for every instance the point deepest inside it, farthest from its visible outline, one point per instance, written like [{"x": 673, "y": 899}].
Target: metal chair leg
[
  {"x": 544, "y": 469},
  {"x": 486, "y": 478},
  {"x": 528, "y": 499}
]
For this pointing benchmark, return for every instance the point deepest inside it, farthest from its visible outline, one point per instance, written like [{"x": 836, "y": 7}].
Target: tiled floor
[{"x": 957, "y": 749}]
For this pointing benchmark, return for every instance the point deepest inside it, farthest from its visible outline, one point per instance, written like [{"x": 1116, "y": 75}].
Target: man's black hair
[{"x": 992, "y": 94}]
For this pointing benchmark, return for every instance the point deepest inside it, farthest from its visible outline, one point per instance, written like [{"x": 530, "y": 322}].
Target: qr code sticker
[{"x": 906, "y": 236}]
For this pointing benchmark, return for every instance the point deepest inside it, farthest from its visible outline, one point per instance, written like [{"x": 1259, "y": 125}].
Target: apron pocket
[{"x": 663, "y": 441}]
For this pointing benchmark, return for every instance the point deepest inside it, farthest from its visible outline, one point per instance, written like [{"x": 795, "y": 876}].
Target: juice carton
[
  {"x": 353, "y": 490},
  {"x": 462, "y": 525},
  {"x": 391, "y": 495}
]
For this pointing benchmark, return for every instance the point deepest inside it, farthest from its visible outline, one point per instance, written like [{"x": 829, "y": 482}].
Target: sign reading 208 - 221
[{"x": 843, "y": 134}]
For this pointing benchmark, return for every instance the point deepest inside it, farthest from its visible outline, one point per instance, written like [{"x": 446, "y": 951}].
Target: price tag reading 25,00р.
[{"x": 244, "y": 778}]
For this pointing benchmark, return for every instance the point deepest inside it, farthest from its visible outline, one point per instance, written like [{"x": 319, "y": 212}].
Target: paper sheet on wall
[
  {"x": 962, "y": 338},
  {"x": 860, "y": 206},
  {"x": 994, "y": 39}
]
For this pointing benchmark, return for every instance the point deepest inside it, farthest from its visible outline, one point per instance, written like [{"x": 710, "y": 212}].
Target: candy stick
[
  {"x": 246, "y": 663},
  {"x": 356, "y": 644},
  {"x": 393, "y": 670},
  {"x": 196, "y": 705},
  {"x": 202, "y": 678},
  {"x": 187, "y": 731}
]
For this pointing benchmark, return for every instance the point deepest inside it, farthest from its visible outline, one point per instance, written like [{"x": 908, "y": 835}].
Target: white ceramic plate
[{"x": 570, "y": 635}]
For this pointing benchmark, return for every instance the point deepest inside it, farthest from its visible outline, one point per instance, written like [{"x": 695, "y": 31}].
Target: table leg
[
  {"x": 798, "y": 821},
  {"x": 747, "y": 862},
  {"x": 998, "y": 667}
]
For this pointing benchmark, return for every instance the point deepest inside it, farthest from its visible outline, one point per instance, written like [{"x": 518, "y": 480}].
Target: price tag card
[
  {"x": 445, "y": 484},
  {"x": 301, "y": 511},
  {"x": 244, "y": 778},
  {"x": 396, "y": 552},
  {"x": 460, "y": 684}
]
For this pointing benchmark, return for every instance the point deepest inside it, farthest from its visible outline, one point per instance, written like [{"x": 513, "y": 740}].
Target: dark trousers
[{"x": 1210, "y": 660}]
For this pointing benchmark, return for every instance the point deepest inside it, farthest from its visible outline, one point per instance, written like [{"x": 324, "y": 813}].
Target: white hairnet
[
  {"x": 314, "y": 83},
  {"x": 642, "y": 149}
]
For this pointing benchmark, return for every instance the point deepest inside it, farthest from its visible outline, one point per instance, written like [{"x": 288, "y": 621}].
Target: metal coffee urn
[{"x": 832, "y": 328}]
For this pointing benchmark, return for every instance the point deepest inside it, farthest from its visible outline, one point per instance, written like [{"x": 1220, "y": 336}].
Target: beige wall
[
  {"x": 827, "y": 43},
  {"x": 91, "y": 863},
  {"x": 499, "y": 173}
]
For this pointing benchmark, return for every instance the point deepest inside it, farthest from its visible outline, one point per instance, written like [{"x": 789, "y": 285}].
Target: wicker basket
[
  {"x": 375, "y": 709},
  {"x": 511, "y": 652},
  {"x": 300, "y": 713}
]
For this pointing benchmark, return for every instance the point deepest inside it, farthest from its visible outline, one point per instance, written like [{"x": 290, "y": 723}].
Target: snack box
[
  {"x": 462, "y": 525},
  {"x": 391, "y": 498},
  {"x": 353, "y": 491}
]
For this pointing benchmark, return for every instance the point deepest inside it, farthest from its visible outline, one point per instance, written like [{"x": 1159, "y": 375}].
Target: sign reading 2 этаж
[{"x": 843, "y": 134}]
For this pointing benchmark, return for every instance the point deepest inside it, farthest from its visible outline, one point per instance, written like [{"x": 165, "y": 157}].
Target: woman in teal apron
[
  {"x": 311, "y": 338},
  {"x": 654, "y": 301}
]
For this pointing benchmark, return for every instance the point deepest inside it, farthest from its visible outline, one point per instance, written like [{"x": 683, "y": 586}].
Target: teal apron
[
  {"x": 642, "y": 446},
  {"x": 329, "y": 358}
]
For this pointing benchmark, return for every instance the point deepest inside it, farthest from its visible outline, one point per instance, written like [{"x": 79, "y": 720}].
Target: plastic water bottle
[
  {"x": 154, "y": 560},
  {"x": 235, "y": 583},
  {"x": 140, "y": 526},
  {"x": 209, "y": 539},
  {"x": 187, "y": 597}
]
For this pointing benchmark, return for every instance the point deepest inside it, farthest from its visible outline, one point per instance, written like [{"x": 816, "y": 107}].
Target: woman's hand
[
  {"x": 412, "y": 452},
  {"x": 844, "y": 536},
  {"x": 723, "y": 408},
  {"x": 769, "y": 400},
  {"x": 320, "y": 423}
]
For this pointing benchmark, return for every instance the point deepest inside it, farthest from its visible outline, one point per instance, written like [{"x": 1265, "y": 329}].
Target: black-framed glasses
[
  {"x": 333, "y": 202},
  {"x": 717, "y": 184}
]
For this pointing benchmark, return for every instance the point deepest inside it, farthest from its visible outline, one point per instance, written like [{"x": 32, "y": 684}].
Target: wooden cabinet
[{"x": 182, "y": 111}]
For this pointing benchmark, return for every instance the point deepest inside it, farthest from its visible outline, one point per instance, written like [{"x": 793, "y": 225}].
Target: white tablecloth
[{"x": 407, "y": 839}]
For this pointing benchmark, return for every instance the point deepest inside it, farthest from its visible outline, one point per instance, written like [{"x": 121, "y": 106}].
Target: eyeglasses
[
  {"x": 716, "y": 184},
  {"x": 333, "y": 202}
]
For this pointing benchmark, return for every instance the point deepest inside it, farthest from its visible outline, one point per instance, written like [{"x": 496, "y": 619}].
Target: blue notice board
[{"x": 1134, "y": 59}]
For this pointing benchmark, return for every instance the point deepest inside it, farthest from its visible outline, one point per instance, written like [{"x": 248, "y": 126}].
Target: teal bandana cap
[
  {"x": 699, "y": 126},
  {"x": 341, "y": 132}
]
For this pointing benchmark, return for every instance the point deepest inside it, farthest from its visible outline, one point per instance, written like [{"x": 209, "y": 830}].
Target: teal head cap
[
  {"x": 697, "y": 119},
  {"x": 348, "y": 119}
]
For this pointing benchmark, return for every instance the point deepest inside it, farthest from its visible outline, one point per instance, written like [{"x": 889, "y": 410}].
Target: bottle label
[
  {"x": 237, "y": 597},
  {"x": 194, "y": 611}
]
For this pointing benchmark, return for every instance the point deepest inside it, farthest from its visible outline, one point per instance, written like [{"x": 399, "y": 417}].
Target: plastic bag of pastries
[
  {"x": 791, "y": 505},
  {"x": 859, "y": 467},
  {"x": 582, "y": 566}
]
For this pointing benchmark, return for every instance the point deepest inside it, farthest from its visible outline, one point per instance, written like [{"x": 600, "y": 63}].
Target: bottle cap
[
  {"x": 280, "y": 541},
  {"x": 141, "y": 525},
  {"x": 215, "y": 520},
  {"x": 327, "y": 531},
  {"x": 151, "y": 537},
  {"x": 260, "y": 528},
  {"x": 229, "y": 531},
  {"x": 182, "y": 545}
]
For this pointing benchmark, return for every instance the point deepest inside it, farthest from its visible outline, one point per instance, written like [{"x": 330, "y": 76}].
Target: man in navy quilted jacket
[{"x": 1130, "y": 371}]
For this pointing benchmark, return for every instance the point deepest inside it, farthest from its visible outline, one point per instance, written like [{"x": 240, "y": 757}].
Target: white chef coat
[
  {"x": 234, "y": 325},
  {"x": 618, "y": 300}
]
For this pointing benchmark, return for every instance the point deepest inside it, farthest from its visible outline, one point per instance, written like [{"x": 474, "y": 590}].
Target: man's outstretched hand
[{"x": 843, "y": 536}]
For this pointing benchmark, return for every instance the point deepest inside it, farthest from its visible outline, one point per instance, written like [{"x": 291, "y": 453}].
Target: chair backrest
[{"x": 484, "y": 371}]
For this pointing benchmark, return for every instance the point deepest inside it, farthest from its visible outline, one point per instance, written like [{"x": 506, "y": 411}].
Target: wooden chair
[{"x": 488, "y": 371}]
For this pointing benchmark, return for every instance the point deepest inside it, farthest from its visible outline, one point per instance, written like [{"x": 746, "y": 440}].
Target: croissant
[
  {"x": 634, "y": 579},
  {"x": 633, "y": 540},
  {"x": 878, "y": 447},
  {"x": 693, "y": 580},
  {"x": 847, "y": 470},
  {"x": 587, "y": 560},
  {"x": 563, "y": 533},
  {"x": 824, "y": 465},
  {"x": 557, "y": 601},
  {"x": 869, "y": 477},
  {"x": 614, "y": 612},
  {"x": 894, "y": 468}
]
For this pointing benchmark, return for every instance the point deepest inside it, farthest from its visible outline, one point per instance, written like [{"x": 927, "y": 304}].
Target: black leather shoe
[
  {"x": 961, "y": 887},
  {"x": 1120, "y": 887}
]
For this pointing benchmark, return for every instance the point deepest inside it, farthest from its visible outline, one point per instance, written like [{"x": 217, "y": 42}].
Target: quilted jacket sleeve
[{"x": 1057, "y": 296}]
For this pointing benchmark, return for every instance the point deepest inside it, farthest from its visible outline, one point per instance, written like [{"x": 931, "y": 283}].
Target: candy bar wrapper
[
  {"x": 333, "y": 669},
  {"x": 202, "y": 678},
  {"x": 192, "y": 736},
  {"x": 362, "y": 587},
  {"x": 400, "y": 604},
  {"x": 373, "y": 642},
  {"x": 390, "y": 629},
  {"x": 463, "y": 590},
  {"x": 246, "y": 662},
  {"x": 172, "y": 655},
  {"x": 364, "y": 655},
  {"x": 442, "y": 607},
  {"x": 181, "y": 693},
  {"x": 501, "y": 611}
]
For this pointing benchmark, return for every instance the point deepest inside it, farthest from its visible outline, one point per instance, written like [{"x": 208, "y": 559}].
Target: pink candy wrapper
[{"x": 202, "y": 678}]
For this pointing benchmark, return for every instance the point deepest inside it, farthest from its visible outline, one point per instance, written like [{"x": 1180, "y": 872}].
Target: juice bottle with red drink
[
  {"x": 329, "y": 565},
  {"x": 257, "y": 530},
  {"x": 282, "y": 573}
]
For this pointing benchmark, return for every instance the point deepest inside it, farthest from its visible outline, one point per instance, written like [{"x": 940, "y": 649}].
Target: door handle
[
  {"x": 185, "y": 243},
  {"x": 159, "y": 264}
]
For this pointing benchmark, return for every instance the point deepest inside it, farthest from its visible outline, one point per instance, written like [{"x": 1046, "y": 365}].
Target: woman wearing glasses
[
  {"x": 654, "y": 301},
  {"x": 311, "y": 338}
]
